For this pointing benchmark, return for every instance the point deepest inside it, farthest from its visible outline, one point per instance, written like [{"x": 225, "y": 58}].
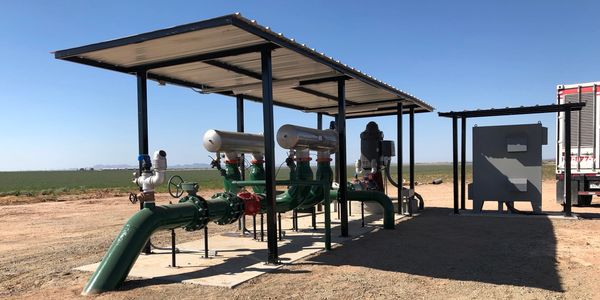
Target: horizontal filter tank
[
  {"x": 296, "y": 137},
  {"x": 227, "y": 141}
]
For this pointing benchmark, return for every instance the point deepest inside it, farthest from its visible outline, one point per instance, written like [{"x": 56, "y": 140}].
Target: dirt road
[{"x": 434, "y": 255}]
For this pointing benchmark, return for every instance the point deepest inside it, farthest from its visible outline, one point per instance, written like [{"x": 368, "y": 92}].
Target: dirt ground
[{"x": 433, "y": 255}]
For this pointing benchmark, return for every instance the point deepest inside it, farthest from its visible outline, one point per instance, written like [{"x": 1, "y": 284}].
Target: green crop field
[{"x": 33, "y": 183}]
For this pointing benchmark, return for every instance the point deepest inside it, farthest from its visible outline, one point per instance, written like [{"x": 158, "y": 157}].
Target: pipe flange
[
  {"x": 202, "y": 217},
  {"x": 234, "y": 210}
]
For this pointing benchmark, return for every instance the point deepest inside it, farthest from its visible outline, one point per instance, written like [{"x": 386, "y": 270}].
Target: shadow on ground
[
  {"x": 245, "y": 262},
  {"x": 504, "y": 251}
]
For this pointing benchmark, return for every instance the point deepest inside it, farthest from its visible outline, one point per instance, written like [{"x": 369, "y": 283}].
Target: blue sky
[{"x": 453, "y": 54}]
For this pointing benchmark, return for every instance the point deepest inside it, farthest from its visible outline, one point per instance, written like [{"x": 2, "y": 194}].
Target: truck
[{"x": 585, "y": 143}]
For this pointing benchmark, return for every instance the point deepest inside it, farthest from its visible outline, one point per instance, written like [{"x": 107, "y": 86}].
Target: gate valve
[
  {"x": 175, "y": 186},
  {"x": 251, "y": 203}
]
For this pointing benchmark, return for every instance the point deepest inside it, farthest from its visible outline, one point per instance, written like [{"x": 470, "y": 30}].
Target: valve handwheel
[
  {"x": 175, "y": 189},
  {"x": 133, "y": 198}
]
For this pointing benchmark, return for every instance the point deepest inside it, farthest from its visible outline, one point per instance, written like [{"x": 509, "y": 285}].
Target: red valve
[{"x": 251, "y": 203}]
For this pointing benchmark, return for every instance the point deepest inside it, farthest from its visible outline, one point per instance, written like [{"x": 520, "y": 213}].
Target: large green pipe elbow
[
  {"x": 373, "y": 196},
  {"x": 126, "y": 248}
]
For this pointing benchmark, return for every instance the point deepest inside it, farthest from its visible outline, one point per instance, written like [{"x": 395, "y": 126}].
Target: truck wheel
[{"x": 584, "y": 200}]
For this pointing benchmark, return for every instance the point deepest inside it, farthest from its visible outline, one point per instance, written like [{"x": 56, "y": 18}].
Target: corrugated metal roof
[{"x": 222, "y": 55}]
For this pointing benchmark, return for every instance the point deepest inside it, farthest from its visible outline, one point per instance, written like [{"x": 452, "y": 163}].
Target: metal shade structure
[
  {"x": 237, "y": 57},
  {"x": 222, "y": 55}
]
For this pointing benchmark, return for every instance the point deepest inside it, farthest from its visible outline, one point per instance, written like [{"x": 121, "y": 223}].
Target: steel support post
[
  {"x": 411, "y": 155},
  {"x": 399, "y": 151},
  {"x": 341, "y": 129},
  {"x": 240, "y": 128},
  {"x": 455, "y": 162},
  {"x": 142, "y": 110},
  {"x": 269, "y": 134},
  {"x": 463, "y": 151},
  {"x": 567, "y": 205},
  {"x": 319, "y": 206}
]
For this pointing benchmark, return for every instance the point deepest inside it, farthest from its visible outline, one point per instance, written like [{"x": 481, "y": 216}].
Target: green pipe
[
  {"x": 373, "y": 196},
  {"x": 192, "y": 213},
  {"x": 316, "y": 195},
  {"x": 312, "y": 192},
  {"x": 296, "y": 193},
  {"x": 126, "y": 248},
  {"x": 257, "y": 172},
  {"x": 232, "y": 173},
  {"x": 262, "y": 183}
]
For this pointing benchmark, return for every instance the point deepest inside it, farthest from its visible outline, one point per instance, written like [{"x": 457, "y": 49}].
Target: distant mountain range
[{"x": 125, "y": 166}]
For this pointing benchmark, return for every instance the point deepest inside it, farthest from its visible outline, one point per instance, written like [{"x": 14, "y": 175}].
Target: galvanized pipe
[
  {"x": 227, "y": 141},
  {"x": 297, "y": 137}
]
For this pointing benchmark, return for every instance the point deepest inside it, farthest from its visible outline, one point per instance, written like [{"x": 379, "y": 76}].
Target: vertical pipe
[
  {"x": 262, "y": 231},
  {"x": 269, "y": 134},
  {"x": 362, "y": 213},
  {"x": 205, "y": 241},
  {"x": 341, "y": 129},
  {"x": 567, "y": 207},
  {"x": 399, "y": 129},
  {"x": 279, "y": 226},
  {"x": 314, "y": 218},
  {"x": 455, "y": 162},
  {"x": 411, "y": 155},
  {"x": 350, "y": 207},
  {"x": 254, "y": 225},
  {"x": 463, "y": 151},
  {"x": 173, "y": 254},
  {"x": 294, "y": 220},
  {"x": 142, "y": 96},
  {"x": 327, "y": 204},
  {"x": 333, "y": 125},
  {"x": 142, "y": 110}
]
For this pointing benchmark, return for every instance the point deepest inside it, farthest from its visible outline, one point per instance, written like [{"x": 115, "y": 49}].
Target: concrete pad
[
  {"x": 550, "y": 215},
  {"x": 240, "y": 258}
]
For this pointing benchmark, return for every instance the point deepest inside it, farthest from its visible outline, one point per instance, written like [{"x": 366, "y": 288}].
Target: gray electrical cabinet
[{"x": 507, "y": 165}]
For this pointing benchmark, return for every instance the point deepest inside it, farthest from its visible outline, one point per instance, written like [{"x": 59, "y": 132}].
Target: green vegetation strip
[{"x": 32, "y": 183}]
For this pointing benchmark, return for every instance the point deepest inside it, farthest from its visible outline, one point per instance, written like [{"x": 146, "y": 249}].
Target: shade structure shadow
[
  {"x": 254, "y": 260},
  {"x": 503, "y": 251}
]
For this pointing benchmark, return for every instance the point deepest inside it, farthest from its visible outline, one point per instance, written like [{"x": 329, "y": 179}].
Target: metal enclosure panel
[{"x": 507, "y": 164}]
